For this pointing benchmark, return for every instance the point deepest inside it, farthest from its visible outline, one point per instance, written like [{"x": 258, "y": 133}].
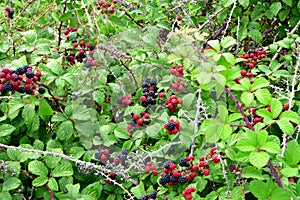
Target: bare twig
[
  {"x": 60, "y": 25},
  {"x": 23, "y": 10},
  {"x": 210, "y": 18},
  {"x": 224, "y": 172},
  {"x": 229, "y": 18}
]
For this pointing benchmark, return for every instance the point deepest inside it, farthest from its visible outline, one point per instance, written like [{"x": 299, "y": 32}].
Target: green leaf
[
  {"x": 99, "y": 97},
  {"x": 275, "y": 7},
  {"x": 285, "y": 126},
  {"x": 263, "y": 96},
  {"x": 233, "y": 117},
  {"x": 66, "y": 16},
  {"x": 225, "y": 131},
  {"x": 289, "y": 172},
  {"x": 259, "y": 83},
  {"x": 116, "y": 20},
  {"x": 252, "y": 172},
  {"x": 213, "y": 131},
  {"x": 259, "y": 189},
  {"x": 11, "y": 184},
  {"x": 292, "y": 153},
  {"x": 65, "y": 130},
  {"x": 255, "y": 35},
  {"x": 5, "y": 196},
  {"x": 258, "y": 159},
  {"x": 261, "y": 137},
  {"x": 245, "y": 83},
  {"x": 28, "y": 113},
  {"x": 38, "y": 168},
  {"x": 247, "y": 98},
  {"x": 93, "y": 189},
  {"x": 222, "y": 113},
  {"x": 6, "y": 129},
  {"x": 30, "y": 36},
  {"x": 63, "y": 169},
  {"x": 228, "y": 41},
  {"x": 229, "y": 58},
  {"x": 244, "y": 3},
  {"x": 121, "y": 133},
  {"x": 187, "y": 100},
  {"x": 53, "y": 184},
  {"x": 271, "y": 147},
  {"x": 266, "y": 115},
  {"x": 45, "y": 108},
  {"x": 288, "y": 2},
  {"x": 39, "y": 181},
  {"x": 283, "y": 14},
  {"x": 290, "y": 116},
  {"x": 214, "y": 44},
  {"x": 280, "y": 194},
  {"x": 276, "y": 108},
  {"x": 139, "y": 190},
  {"x": 59, "y": 117}
]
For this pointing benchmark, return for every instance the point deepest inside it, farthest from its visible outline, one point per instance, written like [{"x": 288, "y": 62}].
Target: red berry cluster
[
  {"x": 232, "y": 168},
  {"x": 187, "y": 193},
  {"x": 177, "y": 70},
  {"x": 105, "y": 157},
  {"x": 173, "y": 103},
  {"x": 138, "y": 120},
  {"x": 150, "y": 167},
  {"x": 82, "y": 54},
  {"x": 252, "y": 58},
  {"x": 108, "y": 6},
  {"x": 102, "y": 155},
  {"x": 256, "y": 119},
  {"x": 111, "y": 176},
  {"x": 69, "y": 30},
  {"x": 22, "y": 80},
  {"x": 10, "y": 12},
  {"x": 179, "y": 85},
  {"x": 125, "y": 100},
  {"x": 172, "y": 126}
]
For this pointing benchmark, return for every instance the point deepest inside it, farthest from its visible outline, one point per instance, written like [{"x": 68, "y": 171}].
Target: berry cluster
[
  {"x": 179, "y": 85},
  {"x": 69, "y": 30},
  {"x": 150, "y": 167},
  {"x": 111, "y": 176},
  {"x": 187, "y": 193},
  {"x": 149, "y": 92},
  {"x": 105, "y": 157},
  {"x": 82, "y": 54},
  {"x": 177, "y": 70},
  {"x": 22, "y": 80},
  {"x": 172, "y": 126},
  {"x": 107, "y": 7},
  {"x": 173, "y": 103},
  {"x": 10, "y": 12},
  {"x": 125, "y": 101},
  {"x": 138, "y": 120},
  {"x": 252, "y": 58},
  {"x": 152, "y": 195},
  {"x": 172, "y": 175}
]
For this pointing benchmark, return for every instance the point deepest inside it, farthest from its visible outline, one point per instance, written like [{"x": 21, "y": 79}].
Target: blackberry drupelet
[
  {"x": 7, "y": 86},
  {"x": 182, "y": 180},
  {"x": 171, "y": 126},
  {"x": 182, "y": 162},
  {"x": 29, "y": 74}
]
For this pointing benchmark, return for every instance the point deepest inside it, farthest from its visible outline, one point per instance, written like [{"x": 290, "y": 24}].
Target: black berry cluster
[
  {"x": 105, "y": 157},
  {"x": 138, "y": 120},
  {"x": 173, "y": 103},
  {"x": 10, "y": 12},
  {"x": 125, "y": 101},
  {"x": 22, "y": 80},
  {"x": 172, "y": 126},
  {"x": 149, "y": 90},
  {"x": 152, "y": 195}
]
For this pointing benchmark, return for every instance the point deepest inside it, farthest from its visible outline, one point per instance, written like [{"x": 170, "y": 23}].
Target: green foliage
[{"x": 93, "y": 61}]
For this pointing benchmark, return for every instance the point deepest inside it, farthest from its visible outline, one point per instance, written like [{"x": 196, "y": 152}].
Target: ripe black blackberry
[
  {"x": 25, "y": 67},
  {"x": 165, "y": 179},
  {"x": 171, "y": 126},
  {"x": 151, "y": 93},
  {"x": 125, "y": 152},
  {"x": 182, "y": 162},
  {"x": 7, "y": 86},
  {"x": 92, "y": 48},
  {"x": 167, "y": 164},
  {"x": 182, "y": 180},
  {"x": 144, "y": 197},
  {"x": 42, "y": 90},
  {"x": 98, "y": 155},
  {"x": 22, "y": 89},
  {"x": 11, "y": 13},
  {"x": 29, "y": 74},
  {"x": 173, "y": 179},
  {"x": 123, "y": 157},
  {"x": 20, "y": 70},
  {"x": 153, "y": 195},
  {"x": 152, "y": 82},
  {"x": 88, "y": 64}
]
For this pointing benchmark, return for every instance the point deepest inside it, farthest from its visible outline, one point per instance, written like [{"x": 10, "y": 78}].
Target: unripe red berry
[
  {"x": 286, "y": 106},
  {"x": 135, "y": 116},
  {"x": 216, "y": 159},
  {"x": 75, "y": 45},
  {"x": 206, "y": 172},
  {"x": 179, "y": 18},
  {"x": 243, "y": 72},
  {"x": 82, "y": 43}
]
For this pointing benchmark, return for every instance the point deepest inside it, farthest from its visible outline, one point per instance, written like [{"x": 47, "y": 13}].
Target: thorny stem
[
  {"x": 196, "y": 122},
  {"x": 209, "y": 19},
  {"x": 224, "y": 173},
  {"x": 229, "y": 19},
  {"x": 23, "y": 10},
  {"x": 248, "y": 124},
  {"x": 50, "y": 192}
]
